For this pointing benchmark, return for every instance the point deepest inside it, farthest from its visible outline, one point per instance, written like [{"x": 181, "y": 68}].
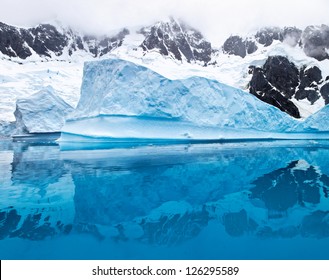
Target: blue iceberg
[{"x": 123, "y": 101}]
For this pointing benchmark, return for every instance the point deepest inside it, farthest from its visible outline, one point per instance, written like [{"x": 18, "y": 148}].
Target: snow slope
[{"x": 18, "y": 81}]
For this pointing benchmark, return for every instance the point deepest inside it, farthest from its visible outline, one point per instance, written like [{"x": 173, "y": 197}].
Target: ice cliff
[
  {"x": 144, "y": 103},
  {"x": 42, "y": 112}
]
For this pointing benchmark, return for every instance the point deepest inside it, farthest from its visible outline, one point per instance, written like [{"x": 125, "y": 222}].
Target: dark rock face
[
  {"x": 279, "y": 80},
  {"x": 315, "y": 41},
  {"x": 290, "y": 35},
  {"x": 282, "y": 74},
  {"x": 237, "y": 46},
  {"x": 46, "y": 41},
  {"x": 12, "y": 41},
  {"x": 100, "y": 47},
  {"x": 266, "y": 36},
  {"x": 178, "y": 40},
  {"x": 275, "y": 83},
  {"x": 325, "y": 92}
]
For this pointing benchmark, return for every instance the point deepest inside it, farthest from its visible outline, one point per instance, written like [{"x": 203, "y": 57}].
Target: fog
[{"x": 215, "y": 19}]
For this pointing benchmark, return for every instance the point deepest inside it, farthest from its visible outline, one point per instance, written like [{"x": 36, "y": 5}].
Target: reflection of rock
[
  {"x": 33, "y": 226},
  {"x": 283, "y": 188},
  {"x": 316, "y": 225},
  {"x": 8, "y": 222},
  {"x": 285, "y": 232},
  {"x": 174, "y": 229},
  {"x": 237, "y": 223}
]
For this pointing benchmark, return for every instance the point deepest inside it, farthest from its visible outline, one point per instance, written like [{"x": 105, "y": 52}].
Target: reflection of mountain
[
  {"x": 238, "y": 223},
  {"x": 166, "y": 195},
  {"x": 36, "y": 200},
  {"x": 299, "y": 183},
  {"x": 284, "y": 203}
]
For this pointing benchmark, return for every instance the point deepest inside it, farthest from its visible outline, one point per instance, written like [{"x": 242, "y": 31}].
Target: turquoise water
[{"x": 248, "y": 200}]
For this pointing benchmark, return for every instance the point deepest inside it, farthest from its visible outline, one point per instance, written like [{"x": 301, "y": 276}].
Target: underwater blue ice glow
[{"x": 248, "y": 200}]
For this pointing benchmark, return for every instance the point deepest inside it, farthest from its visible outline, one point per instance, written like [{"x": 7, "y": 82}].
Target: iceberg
[
  {"x": 317, "y": 122},
  {"x": 123, "y": 100},
  {"x": 43, "y": 112}
]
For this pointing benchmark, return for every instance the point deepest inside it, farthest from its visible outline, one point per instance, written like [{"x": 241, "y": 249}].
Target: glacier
[{"x": 123, "y": 100}]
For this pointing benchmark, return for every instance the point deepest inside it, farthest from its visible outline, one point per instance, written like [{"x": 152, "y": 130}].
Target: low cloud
[{"x": 216, "y": 19}]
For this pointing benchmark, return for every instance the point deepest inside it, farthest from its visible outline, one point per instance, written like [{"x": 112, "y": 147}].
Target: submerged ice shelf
[
  {"x": 125, "y": 127},
  {"x": 122, "y": 129}
]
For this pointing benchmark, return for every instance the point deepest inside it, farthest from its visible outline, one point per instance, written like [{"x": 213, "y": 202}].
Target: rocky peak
[
  {"x": 103, "y": 45},
  {"x": 237, "y": 46},
  {"x": 267, "y": 35},
  {"x": 240, "y": 46},
  {"x": 13, "y": 41},
  {"x": 178, "y": 40},
  {"x": 315, "y": 40},
  {"x": 48, "y": 41}
]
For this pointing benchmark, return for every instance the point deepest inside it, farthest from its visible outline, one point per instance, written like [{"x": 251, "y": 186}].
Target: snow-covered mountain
[
  {"x": 285, "y": 67},
  {"x": 49, "y": 41},
  {"x": 287, "y": 80},
  {"x": 177, "y": 40}
]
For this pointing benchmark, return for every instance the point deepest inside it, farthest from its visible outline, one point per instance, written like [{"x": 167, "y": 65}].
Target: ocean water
[{"x": 247, "y": 200}]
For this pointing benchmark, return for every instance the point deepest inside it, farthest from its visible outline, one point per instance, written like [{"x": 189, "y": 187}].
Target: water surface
[{"x": 249, "y": 200}]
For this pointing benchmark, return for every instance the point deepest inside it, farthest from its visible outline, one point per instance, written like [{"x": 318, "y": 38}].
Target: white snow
[{"x": 19, "y": 81}]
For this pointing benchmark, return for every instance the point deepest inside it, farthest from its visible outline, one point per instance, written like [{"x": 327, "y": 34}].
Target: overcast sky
[{"x": 216, "y": 19}]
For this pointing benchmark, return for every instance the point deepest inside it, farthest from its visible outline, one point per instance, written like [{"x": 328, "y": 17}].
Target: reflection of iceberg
[
  {"x": 37, "y": 166},
  {"x": 165, "y": 197},
  {"x": 37, "y": 198},
  {"x": 130, "y": 190},
  {"x": 128, "y": 183}
]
